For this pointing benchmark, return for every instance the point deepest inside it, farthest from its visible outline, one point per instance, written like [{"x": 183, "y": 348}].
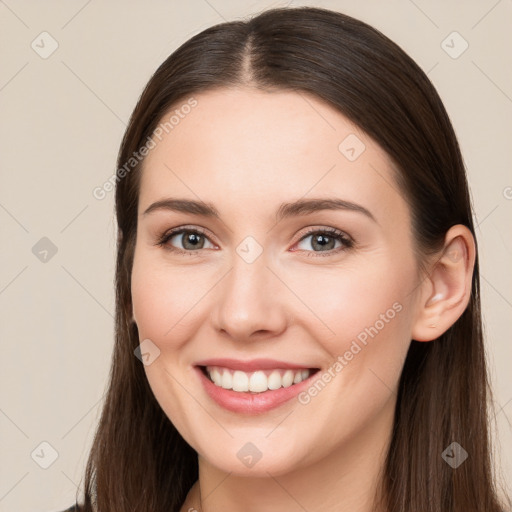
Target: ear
[{"x": 446, "y": 290}]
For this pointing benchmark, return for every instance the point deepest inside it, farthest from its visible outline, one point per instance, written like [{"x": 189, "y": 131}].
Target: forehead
[{"x": 253, "y": 149}]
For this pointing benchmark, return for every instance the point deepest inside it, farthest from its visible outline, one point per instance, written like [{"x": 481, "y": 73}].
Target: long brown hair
[{"x": 139, "y": 461}]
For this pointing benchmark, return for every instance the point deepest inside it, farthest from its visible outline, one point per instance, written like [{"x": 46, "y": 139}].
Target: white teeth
[
  {"x": 216, "y": 376},
  {"x": 274, "y": 380},
  {"x": 227, "y": 380},
  {"x": 240, "y": 381},
  {"x": 256, "y": 382},
  {"x": 287, "y": 379}
]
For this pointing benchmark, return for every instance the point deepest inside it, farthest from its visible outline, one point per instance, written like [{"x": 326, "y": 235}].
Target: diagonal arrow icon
[
  {"x": 249, "y": 253},
  {"x": 147, "y": 352},
  {"x": 44, "y": 455}
]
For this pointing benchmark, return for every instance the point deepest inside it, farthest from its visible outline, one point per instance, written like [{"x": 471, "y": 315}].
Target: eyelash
[{"x": 347, "y": 241}]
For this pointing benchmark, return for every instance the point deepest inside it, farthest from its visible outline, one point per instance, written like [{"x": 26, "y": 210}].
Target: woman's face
[{"x": 331, "y": 285}]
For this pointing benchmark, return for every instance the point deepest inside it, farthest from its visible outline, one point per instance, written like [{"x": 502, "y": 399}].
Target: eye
[
  {"x": 325, "y": 240},
  {"x": 191, "y": 240},
  {"x": 328, "y": 240}
]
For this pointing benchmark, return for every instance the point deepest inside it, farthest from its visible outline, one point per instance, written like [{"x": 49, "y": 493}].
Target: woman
[{"x": 298, "y": 317}]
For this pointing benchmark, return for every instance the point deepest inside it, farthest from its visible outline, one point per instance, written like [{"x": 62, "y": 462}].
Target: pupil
[
  {"x": 322, "y": 241},
  {"x": 193, "y": 239}
]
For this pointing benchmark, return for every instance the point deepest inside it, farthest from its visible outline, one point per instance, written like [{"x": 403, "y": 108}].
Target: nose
[{"x": 251, "y": 303}]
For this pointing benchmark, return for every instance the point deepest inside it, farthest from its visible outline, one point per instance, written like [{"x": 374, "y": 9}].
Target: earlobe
[{"x": 447, "y": 288}]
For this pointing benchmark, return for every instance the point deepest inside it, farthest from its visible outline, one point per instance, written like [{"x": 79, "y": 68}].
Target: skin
[{"x": 246, "y": 152}]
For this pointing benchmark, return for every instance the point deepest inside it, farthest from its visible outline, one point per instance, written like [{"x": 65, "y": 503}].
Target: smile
[
  {"x": 252, "y": 387},
  {"x": 259, "y": 381}
]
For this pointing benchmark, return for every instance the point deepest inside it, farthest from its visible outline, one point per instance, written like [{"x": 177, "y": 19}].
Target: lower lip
[{"x": 251, "y": 403}]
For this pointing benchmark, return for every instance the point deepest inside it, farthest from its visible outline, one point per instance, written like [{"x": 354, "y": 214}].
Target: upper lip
[{"x": 251, "y": 365}]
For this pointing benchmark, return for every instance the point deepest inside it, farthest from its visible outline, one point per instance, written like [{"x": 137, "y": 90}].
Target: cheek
[
  {"x": 163, "y": 300},
  {"x": 348, "y": 300},
  {"x": 163, "y": 297},
  {"x": 361, "y": 316},
  {"x": 362, "y": 320}
]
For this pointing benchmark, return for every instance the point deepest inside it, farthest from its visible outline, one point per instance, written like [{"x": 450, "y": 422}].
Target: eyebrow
[{"x": 285, "y": 210}]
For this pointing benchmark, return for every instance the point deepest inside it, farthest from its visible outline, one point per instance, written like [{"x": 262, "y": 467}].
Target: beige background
[{"x": 62, "y": 119}]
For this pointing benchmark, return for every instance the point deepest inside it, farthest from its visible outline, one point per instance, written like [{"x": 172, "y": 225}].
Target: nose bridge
[{"x": 250, "y": 300}]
